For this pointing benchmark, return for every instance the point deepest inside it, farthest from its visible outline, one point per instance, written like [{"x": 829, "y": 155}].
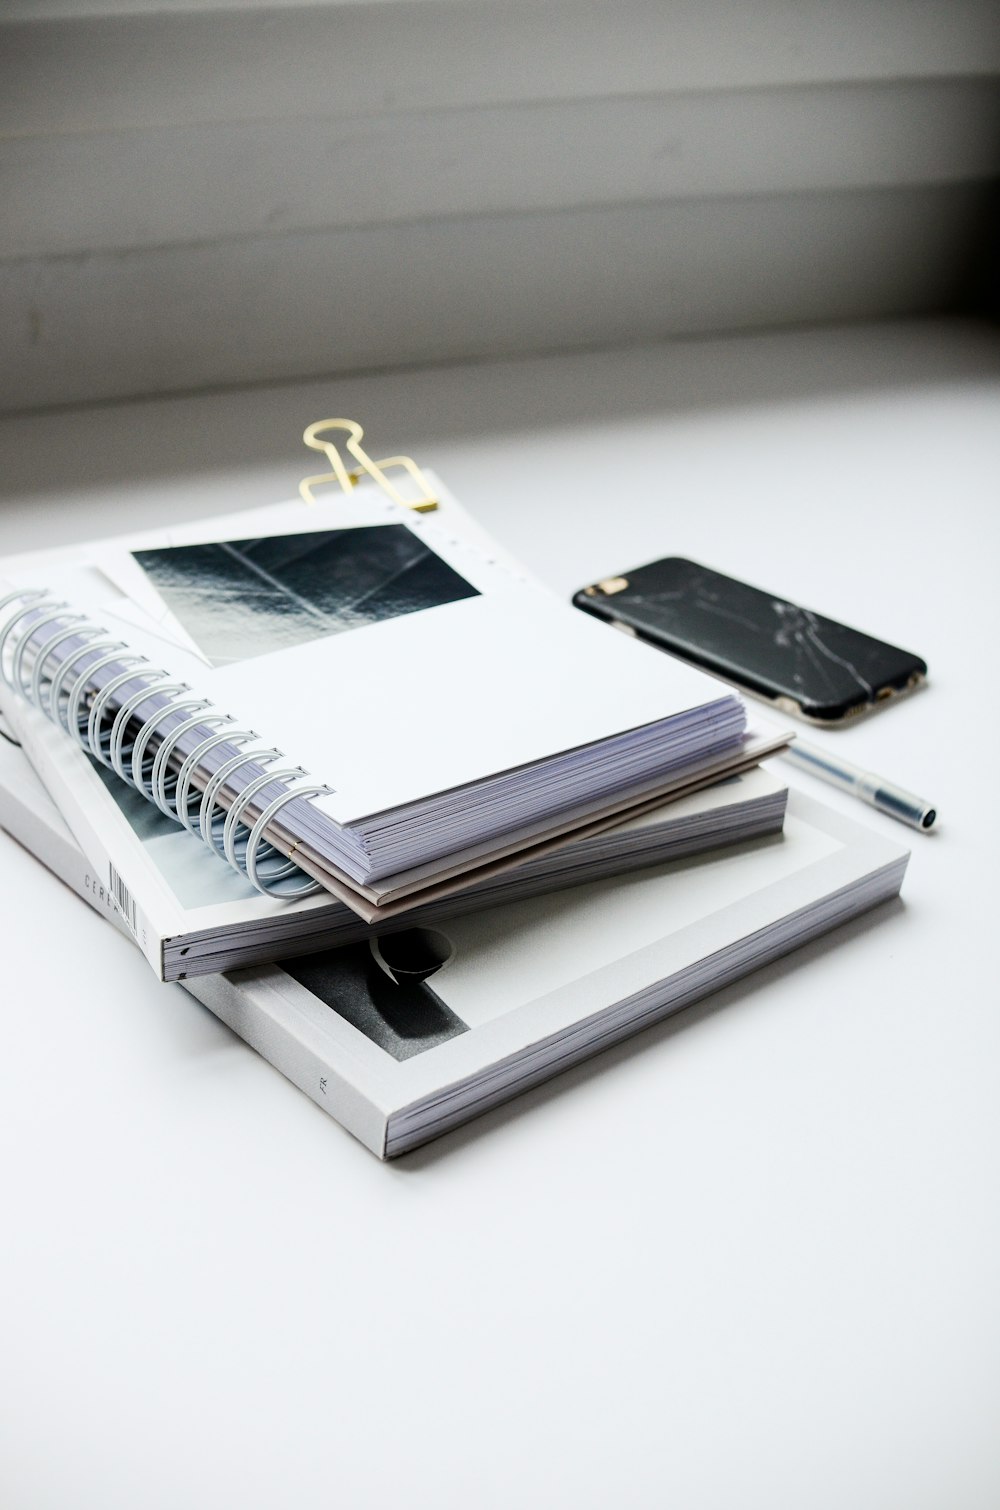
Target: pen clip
[{"x": 367, "y": 466}]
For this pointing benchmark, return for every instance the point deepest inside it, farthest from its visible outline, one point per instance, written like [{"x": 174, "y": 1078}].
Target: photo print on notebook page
[{"x": 238, "y": 599}]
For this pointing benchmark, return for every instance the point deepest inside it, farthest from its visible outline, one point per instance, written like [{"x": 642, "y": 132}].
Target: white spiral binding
[
  {"x": 99, "y": 706},
  {"x": 98, "y": 690},
  {"x": 117, "y": 752},
  {"x": 75, "y": 624},
  {"x": 182, "y": 796},
  {"x": 161, "y": 774}
]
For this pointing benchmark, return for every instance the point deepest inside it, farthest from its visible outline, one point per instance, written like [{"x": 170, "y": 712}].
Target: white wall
[{"x": 216, "y": 194}]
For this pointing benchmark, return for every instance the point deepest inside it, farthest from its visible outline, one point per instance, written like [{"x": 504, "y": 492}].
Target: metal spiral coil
[{"x": 128, "y": 715}]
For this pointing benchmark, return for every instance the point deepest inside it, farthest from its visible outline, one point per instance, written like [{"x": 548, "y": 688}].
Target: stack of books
[{"x": 503, "y": 837}]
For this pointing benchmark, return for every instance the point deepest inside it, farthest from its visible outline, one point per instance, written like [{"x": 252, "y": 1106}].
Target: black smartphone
[{"x": 798, "y": 660}]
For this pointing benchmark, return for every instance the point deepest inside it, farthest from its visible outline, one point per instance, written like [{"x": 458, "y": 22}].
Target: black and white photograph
[{"x": 241, "y": 598}]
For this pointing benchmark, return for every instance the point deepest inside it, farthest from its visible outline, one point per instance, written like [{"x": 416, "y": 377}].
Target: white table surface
[{"x": 751, "y": 1258}]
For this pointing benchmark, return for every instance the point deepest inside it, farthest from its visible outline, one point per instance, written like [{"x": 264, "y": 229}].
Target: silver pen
[{"x": 875, "y": 790}]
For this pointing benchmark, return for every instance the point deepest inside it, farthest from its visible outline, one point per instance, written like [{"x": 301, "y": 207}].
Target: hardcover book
[{"x": 402, "y": 1037}]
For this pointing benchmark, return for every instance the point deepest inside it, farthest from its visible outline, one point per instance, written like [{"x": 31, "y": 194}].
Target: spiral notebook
[
  {"x": 190, "y": 916},
  {"x": 441, "y": 711}
]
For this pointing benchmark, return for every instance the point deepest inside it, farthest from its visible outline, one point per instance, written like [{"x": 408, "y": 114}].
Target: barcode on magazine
[{"x": 123, "y": 900}]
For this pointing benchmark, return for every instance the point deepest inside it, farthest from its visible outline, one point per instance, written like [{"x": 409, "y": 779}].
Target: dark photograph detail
[
  {"x": 242, "y": 598},
  {"x": 380, "y": 987}
]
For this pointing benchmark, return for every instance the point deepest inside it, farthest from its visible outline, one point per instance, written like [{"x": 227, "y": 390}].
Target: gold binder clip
[{"x": 367, "y": 467}]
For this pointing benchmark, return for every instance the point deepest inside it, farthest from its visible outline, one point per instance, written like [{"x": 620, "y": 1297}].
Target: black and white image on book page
[{"x": 243, "y": 598}]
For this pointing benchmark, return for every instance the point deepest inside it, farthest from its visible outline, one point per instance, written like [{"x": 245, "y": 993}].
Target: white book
[
  {"x": 191, "y": 916},
  {"x": 439, "y": 710},
  {"x": 403, "y": 1037}
]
